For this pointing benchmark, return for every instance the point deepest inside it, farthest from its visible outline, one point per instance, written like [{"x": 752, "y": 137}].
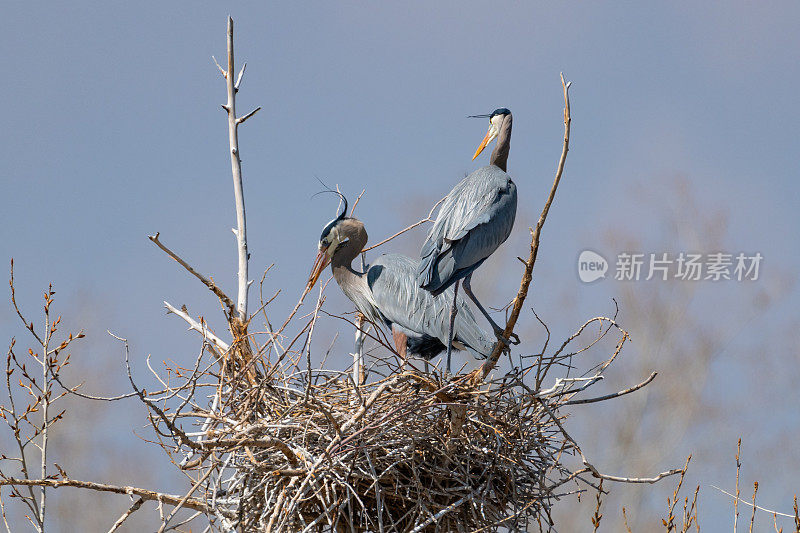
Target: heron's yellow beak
[
  {"x": 322, "y": 260},
  {"x": 491, "y": 134}
]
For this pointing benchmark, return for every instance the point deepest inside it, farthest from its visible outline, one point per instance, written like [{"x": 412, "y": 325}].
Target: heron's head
[
  {"x": 335, "y": 238},
  {"x": 496, "y": 119}
]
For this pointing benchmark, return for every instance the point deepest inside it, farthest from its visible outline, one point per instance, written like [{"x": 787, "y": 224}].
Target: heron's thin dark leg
[
  {"x": 453, "y": 312},
  {"x": 498, "y": 331}
]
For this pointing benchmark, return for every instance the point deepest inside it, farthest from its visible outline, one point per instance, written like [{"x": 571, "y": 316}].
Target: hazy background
[{"x": 684, "y": 138}]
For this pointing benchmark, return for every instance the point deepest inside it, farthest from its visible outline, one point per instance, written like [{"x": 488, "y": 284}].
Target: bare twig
[
  {"x": 150, "y": 495},
  {"x": 240, "y": 120},
  {"x": 201, "y": 328},
  {"x": 736, "y": 498},
  {"x": 669, "y": 522},
  {"x": 353, "y": 209},
  {"x": 597, "y": 516},
  {"x": 616, "y": 394},
  {"x": 742, "y": 500},
  {"x": 207, "y": 282},
  {"x": 28, "y": 325},
  {"x": 753, "y": 515},
  {"x": 429, "y": 218},
  {"x": 358, "y": 349},
  {"x": 124, "y": 516},
  {"x": 183, "y": 500},
  {"x": 625, "y": 520},
  {"x": 46, "y": 400},
  {"x": 239, "y": 77},
  {"x": 594, "y": 470}
]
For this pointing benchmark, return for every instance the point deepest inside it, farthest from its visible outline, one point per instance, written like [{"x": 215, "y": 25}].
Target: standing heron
[
  {"x": 475, "y": 219},
  {"x": 387, "y": 293}
]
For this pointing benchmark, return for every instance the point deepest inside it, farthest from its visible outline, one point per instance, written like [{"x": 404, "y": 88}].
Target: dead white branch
[
  {"x": 201, "y": 328},
  {"x": 236, "y": 170},
  {"x": 737, "y": 499}
]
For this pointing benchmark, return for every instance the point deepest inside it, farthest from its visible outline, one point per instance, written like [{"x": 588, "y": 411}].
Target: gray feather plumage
[
  {"x": 476, "y": 217},
  {"x": 398, "y": 300}
]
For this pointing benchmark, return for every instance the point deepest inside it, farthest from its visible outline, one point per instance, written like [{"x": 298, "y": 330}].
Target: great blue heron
[
  {"x": 475, "y": 218},
  {"x": 387, "y": 293}
]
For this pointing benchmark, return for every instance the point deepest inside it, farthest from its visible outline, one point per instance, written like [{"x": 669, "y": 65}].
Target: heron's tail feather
[
  {"x": 425, "y": 346},
  {"x": 480, "y": 352},
  {"x": 476, "y": 341},
  {"x": 437, "y": 270}
]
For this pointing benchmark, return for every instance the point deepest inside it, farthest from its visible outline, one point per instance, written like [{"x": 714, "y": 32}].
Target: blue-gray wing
[
  {"x": 475, "y": 218},
  {"x": 392, "y": 281}
]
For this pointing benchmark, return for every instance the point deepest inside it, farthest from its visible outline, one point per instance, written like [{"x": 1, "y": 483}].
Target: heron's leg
[
  {"x": 498, "y": 331},
  {"x": 401, "y": 344},
  {"x": 453, "y": 312}
]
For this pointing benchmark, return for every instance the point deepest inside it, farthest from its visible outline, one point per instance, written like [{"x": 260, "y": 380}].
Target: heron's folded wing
[
  {"x": 392, "y": 280},
  {"x": 478, "y": 199}
]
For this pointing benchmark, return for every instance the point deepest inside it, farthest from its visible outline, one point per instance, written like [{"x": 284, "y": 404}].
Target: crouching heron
[{"x": 388, "y": 293}]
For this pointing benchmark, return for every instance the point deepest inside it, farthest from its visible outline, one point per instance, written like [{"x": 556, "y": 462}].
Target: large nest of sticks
[
  {"x": 393, "y": 456},
  {"x": 293, "y": 448}
]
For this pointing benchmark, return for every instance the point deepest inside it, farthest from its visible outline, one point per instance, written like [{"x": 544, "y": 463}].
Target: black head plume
[
  {"x": 498, "y": 111},
  {"x": 344, "y": 207},
  {"x": 333, "y": 191},
  {"x": 341, "y": 216}
]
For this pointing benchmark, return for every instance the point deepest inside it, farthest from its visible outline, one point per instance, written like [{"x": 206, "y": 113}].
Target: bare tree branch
[
  {"x": 429, "y": 218},
  {"x": 240, "y": 120},
  {"x": 124, "y": 516},
  {"x": 735, "y": 498},
  {"x": 183, "y": 500},
  {"x": 197, "y": 326},
  {"x": 150, "y": 495},
  {"x": 207, "y": 282},
  {"x": 616, "y": 394},
  {"x": 236, "y": 170}
]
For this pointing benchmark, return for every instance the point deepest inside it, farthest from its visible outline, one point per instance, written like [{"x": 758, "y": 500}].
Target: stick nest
[
  {"x": 300, "y": 450},
  {"x": 391, "y": 457}
]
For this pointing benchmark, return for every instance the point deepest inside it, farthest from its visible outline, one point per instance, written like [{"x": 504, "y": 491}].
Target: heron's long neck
[
  {"x": 341, "y": 264},
  {"x": 500, "y": 154},
  {"x": 353, "y": 283},
  {"x": 345, "y": 275}
]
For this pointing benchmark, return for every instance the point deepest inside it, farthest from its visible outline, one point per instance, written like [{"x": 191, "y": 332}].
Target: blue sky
[{"x": 113, "y": 131}]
